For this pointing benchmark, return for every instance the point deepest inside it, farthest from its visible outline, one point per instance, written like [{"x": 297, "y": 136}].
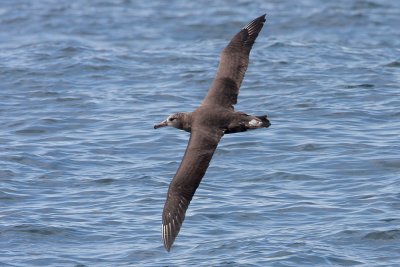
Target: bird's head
[{"x": 175, "y": 120}]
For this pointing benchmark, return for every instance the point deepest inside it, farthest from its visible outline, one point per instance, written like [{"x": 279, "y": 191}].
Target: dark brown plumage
[{"x": 207, "y": 124}]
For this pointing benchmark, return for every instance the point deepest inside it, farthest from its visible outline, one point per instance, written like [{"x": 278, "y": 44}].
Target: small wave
[
  {"x": 292, "y": 176},
  {"x": 279, "y": 44},
  {"x": 389, "y": 163},
  {"x": 383, "y": 235},
  {"x": 31, "y": 130},
  {"x": 4, "y": 196},
  {"x": 388, "y": 220},
  {"x": 44, "y": 94},
  {"x": 36, "y": 229},
  {"x": 393, "y": 64},
  {"x": 7, "y": 174},
  {"x": 308, "y": 147},
  {"x": 362, "y": 85},
  {"x": 104, "y": 181},
  {"x": 343, "y": 262}
]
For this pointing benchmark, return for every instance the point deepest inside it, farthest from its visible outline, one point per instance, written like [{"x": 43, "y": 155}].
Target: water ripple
[{"x": 84, "y": 175}]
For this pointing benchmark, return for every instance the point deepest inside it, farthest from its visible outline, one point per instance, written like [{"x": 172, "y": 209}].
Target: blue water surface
[{"x": 84, "y": 176}]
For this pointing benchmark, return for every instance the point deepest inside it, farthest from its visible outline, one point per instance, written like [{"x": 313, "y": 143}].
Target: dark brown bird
[{"x": 207, "y": 124}]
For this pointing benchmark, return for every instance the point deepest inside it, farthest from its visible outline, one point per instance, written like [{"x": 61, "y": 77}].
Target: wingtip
[
  {"x": 256, "y": 23},
  {"x": 167, "y": 237},
  {"x": 253, "y": 29},
  {"x": 167, "y": 248},
  {"x": 262, "y": 18}
]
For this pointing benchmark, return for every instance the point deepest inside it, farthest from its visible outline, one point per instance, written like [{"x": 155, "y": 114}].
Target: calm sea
[{"x": 84, "y": 176}]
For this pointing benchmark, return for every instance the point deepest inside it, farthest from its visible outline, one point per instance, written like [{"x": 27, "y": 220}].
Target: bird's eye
[{"x": 172, "y": 119}]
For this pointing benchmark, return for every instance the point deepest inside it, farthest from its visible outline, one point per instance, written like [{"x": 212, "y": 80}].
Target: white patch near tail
[{"x": 255, "y": 123}]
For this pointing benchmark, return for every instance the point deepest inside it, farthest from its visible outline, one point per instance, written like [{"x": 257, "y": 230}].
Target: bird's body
[{"x": 207, "y": 124}]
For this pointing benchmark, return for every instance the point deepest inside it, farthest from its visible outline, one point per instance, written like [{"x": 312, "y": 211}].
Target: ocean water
[{"x": 84, "y": 176}]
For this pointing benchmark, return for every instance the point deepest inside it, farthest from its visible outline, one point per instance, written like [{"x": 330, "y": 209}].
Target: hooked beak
[{"x": 161, "y": 124}]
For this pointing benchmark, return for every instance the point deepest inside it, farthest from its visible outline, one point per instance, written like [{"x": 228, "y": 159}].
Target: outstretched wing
[
  {"x": 199, "y": 152},
  {"x": 233, "y": 65}
]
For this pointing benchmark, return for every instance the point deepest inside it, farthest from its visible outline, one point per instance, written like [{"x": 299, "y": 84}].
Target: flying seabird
[{"x": 207, "y": 124}]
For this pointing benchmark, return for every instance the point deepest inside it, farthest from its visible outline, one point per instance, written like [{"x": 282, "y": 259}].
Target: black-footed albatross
[{"x": 207, "y": 124}]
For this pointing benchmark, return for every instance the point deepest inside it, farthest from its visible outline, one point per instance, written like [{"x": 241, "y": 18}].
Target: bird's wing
[
  {"x": 199, "y": 152},
  {"x": 232, "y": 66}
]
